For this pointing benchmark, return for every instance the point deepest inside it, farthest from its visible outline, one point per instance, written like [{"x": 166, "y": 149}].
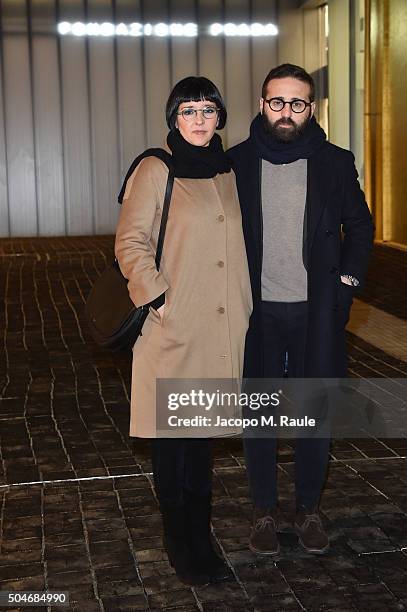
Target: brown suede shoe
[
  {"x": 311, "y": 534},
  {"x": 263, "y": 539}
]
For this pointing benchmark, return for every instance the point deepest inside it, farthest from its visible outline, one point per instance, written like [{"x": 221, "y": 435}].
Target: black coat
[{"x": 338, "y": 236}]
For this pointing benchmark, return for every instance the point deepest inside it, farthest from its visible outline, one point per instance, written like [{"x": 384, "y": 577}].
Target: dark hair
[
  {"x": 194, "y": 89},
  {"x": 289, "y": 70}
]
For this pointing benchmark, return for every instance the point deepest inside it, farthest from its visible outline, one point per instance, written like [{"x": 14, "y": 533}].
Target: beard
[{"x": 285, "y": 134}]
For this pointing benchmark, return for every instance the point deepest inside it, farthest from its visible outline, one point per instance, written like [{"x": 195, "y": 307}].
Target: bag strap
[
  {"x": 164, "y": 216},
  {"x": 166, "y": 158},
  {"x": 154, "y": 152}
]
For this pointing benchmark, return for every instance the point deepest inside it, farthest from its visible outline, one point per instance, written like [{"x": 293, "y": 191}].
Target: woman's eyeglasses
[
  {"x": 189, "y": 113},
  {"x": 297, "y": 105}
]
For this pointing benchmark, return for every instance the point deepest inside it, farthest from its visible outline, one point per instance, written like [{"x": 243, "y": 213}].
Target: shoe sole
[
  {"x": 264, "y": 553},
  {"x": 314, "y": 551}
]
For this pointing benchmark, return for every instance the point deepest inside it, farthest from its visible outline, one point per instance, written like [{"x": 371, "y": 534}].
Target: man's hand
[{"x": 347, "y": 279}]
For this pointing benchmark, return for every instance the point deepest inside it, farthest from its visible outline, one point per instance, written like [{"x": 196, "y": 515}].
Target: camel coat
[{"x": 204, "y": 275}]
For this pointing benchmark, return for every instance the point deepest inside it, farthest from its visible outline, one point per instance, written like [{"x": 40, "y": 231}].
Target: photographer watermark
[
  {"x": 342, "y": 408},
  {"x": 208, "y": 400},
  {"x": 215, "y": 403}
]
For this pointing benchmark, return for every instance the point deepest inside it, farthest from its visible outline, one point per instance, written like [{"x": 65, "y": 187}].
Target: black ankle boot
[
  {"x": 198, "y": 516},
  {"x": 179, "y": 552}
]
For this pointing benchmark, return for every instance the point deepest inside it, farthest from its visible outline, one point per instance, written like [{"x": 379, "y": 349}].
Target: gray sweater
[{"x": 284, "y": 190}]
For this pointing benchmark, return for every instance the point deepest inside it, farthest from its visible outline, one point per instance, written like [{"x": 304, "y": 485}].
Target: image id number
[{"x": 34, "y": 598}]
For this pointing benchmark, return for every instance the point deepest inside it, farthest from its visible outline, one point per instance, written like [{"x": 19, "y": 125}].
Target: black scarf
[
  {"x": 276, "y": 152},
  {"x": 191, "y": 161}
]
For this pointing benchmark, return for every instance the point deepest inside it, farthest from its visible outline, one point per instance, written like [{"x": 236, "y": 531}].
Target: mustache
[{"x": 287, "y": 121}]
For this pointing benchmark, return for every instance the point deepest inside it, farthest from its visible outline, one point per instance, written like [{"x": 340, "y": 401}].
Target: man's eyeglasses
[
  {"x": 209, "y": 112},
  {"x": 297, "y": 105}
]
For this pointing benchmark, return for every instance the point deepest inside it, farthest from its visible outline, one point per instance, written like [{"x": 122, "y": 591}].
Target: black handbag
[{"x": 114, "y": 321}]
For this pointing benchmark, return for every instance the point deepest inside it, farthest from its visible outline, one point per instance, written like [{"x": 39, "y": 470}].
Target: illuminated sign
[{"x": 164, "y": 29}]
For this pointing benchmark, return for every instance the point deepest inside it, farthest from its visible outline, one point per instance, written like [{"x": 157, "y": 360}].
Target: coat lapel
[
  {"x": 255, "y": 210},
  {"x": 317, "y": 195}
]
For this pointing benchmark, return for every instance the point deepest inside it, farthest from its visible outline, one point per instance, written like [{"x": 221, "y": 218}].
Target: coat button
[
  {"x": 328, "y": 233},
  {"x": 221, "y": 264},
  {"x": 333, "y": 270},
  {"x": 221, "y": 217},
  {"x": 221, "y": 310}
]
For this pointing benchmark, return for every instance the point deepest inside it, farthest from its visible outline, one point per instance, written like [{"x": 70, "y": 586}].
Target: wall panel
[
  {"x": 338, "y": 73},
  {"x": 4, "y": 209},
  {"x": 264, "y": 50},
  {"x": 103, "y": 113},
  {"x": 76, "y": 125},
  {"x": 291, "y": 33},
  {"x": 238, "y": 83},
  {"x": 184, "y": 50},
  {"x": 47, "y": 118},
  {"x": 19, "y": 120},
  {"x": 157, "y": 72},
  {"x": 211, "y": 50},
  {"x": 130, "y": 79}
]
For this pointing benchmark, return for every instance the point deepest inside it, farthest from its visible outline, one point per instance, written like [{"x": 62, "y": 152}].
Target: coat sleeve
[
  {"x": 140, "y": 213},
  {"x": 357, "y": 225}
]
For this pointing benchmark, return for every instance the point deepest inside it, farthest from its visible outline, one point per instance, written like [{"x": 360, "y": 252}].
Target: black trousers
[
  {"x": 284, "y": 339},
  {"x": 181, "y": 466}
]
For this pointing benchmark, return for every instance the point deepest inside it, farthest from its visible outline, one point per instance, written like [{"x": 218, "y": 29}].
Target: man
[{"x": 308, "y": 234}]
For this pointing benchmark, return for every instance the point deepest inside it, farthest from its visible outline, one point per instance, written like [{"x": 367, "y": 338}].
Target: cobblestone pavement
[{"x": 78, "y": 511}]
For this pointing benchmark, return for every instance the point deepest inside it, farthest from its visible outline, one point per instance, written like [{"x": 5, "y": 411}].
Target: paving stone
[
  {"x": 72, "y": 578},
  {"x": 85, "y": 605},
  {"x": 152, "y": 554},
  {"x": 325, "y": 599},
  {"x": 278, "y": 603},
  {"x": 262, "y": 579},
  {"x": 166, "y": 599},
  {"x": 120, "y": 588},
  {"x": 221, "y": 606},
  {"x": 67, "y": 564},
  {"x": 28, "y": 609},
  {"x": 156, "y": 569},
  {"x": 150, "y": 543},
  {"x": 33, "y": 583},
  {"x": 178, "y": 608},
  {"x": 14, "y": 572},
  {"x": 162, "y": 582},
  {"x": 78, "y": 592},
  {"x": 16, "y": 545},
  {"x": 19, "y": 557},
  {"x": 128, "y": 603}
]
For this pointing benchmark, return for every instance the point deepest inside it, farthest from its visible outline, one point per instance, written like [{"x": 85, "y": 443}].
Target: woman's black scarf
[
  {"x": 191, "y": 161},
  {"x": 276, "y": 152}
]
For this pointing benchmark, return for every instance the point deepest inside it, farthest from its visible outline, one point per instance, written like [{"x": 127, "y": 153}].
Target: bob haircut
[{"x": 194, "y": 89}]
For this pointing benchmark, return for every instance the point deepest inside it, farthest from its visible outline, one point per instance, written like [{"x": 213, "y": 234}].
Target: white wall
[{"x": 81, "y": 109}]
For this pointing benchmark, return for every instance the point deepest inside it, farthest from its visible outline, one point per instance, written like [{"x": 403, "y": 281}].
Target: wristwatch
[{"x": 352, "y": 280}]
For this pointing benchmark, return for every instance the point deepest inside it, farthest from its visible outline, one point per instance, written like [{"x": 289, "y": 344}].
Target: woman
[{"x": 200, "y": 304}]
